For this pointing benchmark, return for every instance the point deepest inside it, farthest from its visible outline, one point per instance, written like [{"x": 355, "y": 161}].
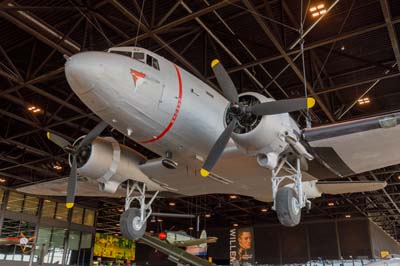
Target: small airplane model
[
  {"x": 23, "y": 241},
  {"x": 192, "y": 245},
  {"x": 242, "y": 144}
]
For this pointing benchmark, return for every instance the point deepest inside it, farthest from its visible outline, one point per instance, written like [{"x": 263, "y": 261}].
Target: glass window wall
[
  {"x": 49, "y": 209},
  {"x": 77, "y": 215},
  {"x": 31, "y": 205},
  {"x": 61, "y": 212},
  {"x": 89, "y": 217},
  {"x": 15, "y": 202}
]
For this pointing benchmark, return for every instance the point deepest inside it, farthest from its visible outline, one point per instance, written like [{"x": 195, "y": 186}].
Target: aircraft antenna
[
  {"x": 301, "y": 31},
  {"x": 140, "y": 22}
]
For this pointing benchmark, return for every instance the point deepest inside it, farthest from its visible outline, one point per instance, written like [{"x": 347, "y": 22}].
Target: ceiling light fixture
[
  {"x": 190, "y": 228},
  {"x": 331, "y": 204},
  {"x": 57, "y": 167},
  {"x": 34, "y": 109},
  {"x": 317, "y": 10},
  {"x": 347, "y": 216},
  {"x": 264, "y": 209},
  {"x": 2, "y": 180},
  {"x": 235, "y": 225},
  {"x": 172, "y": 204},
  {"x": 363, "y": 101},
  {"x": 233, "y": 196},
  {"x": 208, "y": 215}
]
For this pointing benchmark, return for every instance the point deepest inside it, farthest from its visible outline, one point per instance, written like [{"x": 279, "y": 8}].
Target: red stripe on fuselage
[{"x": 173, "y": 119}]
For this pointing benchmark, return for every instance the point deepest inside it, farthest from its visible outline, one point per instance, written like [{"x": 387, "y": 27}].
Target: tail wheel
[
  {"x": 131, "y": 224},
  {"x": 288, "y": 207}
]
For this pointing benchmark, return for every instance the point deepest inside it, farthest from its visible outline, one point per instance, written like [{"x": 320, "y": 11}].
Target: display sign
[
  {"x": 109, "y": 246},
  {"x": 241, "y": 246}
]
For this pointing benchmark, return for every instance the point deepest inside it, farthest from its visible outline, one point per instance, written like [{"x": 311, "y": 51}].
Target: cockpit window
[
  {"x": 151, "y": 61},
  {"x": 129, "y": 54},
  {"x": 139, "y": 56}
]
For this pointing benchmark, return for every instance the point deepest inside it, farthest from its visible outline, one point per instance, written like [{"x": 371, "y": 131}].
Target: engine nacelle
[
  {"x": 111, "y": 164},
  {"x": 263, "y": 136}
]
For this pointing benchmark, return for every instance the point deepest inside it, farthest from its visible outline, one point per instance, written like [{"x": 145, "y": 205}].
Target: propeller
[
  {"x": 239, "y": 111},
  {"x": 74, "y": 151}
]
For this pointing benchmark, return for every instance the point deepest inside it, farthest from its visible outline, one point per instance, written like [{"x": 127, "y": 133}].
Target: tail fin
[{"x": 203, "y": 235}]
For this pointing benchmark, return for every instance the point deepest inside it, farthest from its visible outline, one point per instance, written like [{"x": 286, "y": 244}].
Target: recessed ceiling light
[
  {"x": 233, "y": 196},
  {"x": 331, "y": 204},
  {"x": 2, "y": 180},
  {"x": 159, "y": 220},
  {"x": 190, "y": 228},
  {"x": 207, "y": 215},
  {"x": 264, "y": 209},
  {"x": 235, "y": 225},
  {"x": 347, "y": 216},
  {"x": 172, "y": 204}
]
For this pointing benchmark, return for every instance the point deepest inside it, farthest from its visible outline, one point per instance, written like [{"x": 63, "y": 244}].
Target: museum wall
[
  {"x": 381, "y": 241},
  {"x": 327, "y": 240}
]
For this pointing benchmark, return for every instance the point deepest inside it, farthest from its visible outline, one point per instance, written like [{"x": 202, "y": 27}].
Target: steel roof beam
[
  {"x": 288, "y": 59},
  {"x": 313, "y": 45},
  {"x": 392, "y": 31}
]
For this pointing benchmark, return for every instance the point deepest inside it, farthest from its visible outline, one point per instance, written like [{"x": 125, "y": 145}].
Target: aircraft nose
[{"x": 83, "y": 70}]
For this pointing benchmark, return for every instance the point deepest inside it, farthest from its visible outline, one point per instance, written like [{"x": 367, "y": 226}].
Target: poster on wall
[
  {"x": 109, "y": 246},
  {"x": 241, "y": 246}
]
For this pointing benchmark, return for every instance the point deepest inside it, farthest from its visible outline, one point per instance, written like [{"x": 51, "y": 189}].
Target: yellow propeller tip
[
  {"x": 69, "y": 205},
  {"x": 48, "y": 135},
  {"x": 310, "y": 102},
  {"x": 204, "y": 172},
  {"x": 214, "y": 62}
]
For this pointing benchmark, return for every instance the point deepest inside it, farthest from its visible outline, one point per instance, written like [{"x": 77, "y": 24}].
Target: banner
[
  {"x": 109, "y": 246},
  {"x": 241, "y": 246}
]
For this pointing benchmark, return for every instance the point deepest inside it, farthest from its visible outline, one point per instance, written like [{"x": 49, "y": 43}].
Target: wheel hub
[
  {"x": 137, "y": 223},
  {"x": 295, "y": 205}
]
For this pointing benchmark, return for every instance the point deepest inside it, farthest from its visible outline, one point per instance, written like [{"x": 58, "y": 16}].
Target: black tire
[
  {"x": 128, "y": 229},
  {"x": 288, "y": 214}
]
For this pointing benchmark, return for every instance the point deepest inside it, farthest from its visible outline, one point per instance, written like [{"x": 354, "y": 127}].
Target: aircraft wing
[
  {"x": 195, "y": 242},
  {"x": 357, "y": 146},
  {"x": 58, "y": 187}
]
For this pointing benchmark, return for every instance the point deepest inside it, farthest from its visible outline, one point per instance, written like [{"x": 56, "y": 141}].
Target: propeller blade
[
  {"x": 94, "y": 133},
  {"x": 224, "y": 81},
  {"x": 217, "y": 149},
  {"x": 56, "y": 139},
  {"x": 71, "y": 190},
  {"x": 282, "y": 106}
]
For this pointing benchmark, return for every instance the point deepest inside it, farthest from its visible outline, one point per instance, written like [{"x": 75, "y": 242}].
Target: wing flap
[
  {"x": 357, "y": 146},
  {"x": 340, "y": 187}
]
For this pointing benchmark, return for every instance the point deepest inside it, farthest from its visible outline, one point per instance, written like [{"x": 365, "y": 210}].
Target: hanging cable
[
  {"x": 140, "y": 22},
  {"x": 308, "y": 119}
]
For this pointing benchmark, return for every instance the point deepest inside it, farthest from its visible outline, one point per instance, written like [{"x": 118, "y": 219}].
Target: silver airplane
[{"x": 242, "y": 144}]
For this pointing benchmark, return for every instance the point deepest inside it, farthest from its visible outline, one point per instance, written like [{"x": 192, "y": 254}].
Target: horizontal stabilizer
[{"x": 339, "y": 187}]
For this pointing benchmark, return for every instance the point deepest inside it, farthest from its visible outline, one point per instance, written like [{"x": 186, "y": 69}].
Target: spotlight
[
  {"x": 191, "y": 228},
  {"x": 233, "y": 196},
  {"x": 347, "y": 216},
  {"x": 235, "y": 225},
  {"x": 264, "y": 210},
  {"x": 172, "y": 204},
  {"x": 207, "y": 215},
  {"x": 159, "y": 220},
  {"x": 2, "y": 180},
  {"x": 331, "y": 204}
]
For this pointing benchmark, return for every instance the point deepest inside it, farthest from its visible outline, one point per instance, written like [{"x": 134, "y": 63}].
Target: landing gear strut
[
  {"x": 133, "y": 220},
  {"x": 290, "y": 199}
]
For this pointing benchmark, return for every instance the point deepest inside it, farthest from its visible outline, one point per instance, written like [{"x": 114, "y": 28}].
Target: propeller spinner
[
  {"x": 240, "y": 111},
  {"x": 75, "y": 151}
]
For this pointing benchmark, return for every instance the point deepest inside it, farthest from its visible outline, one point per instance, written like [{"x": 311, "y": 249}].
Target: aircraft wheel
[
  {"x": 130, "y": 224},
  {"x": 288, "y": 207}
]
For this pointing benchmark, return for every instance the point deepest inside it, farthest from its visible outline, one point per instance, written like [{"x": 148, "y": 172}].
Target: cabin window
[
  {"x": 139, "y": 57},
  {"x": 128, "y": 54},
  {"x": 151, "y": 61}
]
